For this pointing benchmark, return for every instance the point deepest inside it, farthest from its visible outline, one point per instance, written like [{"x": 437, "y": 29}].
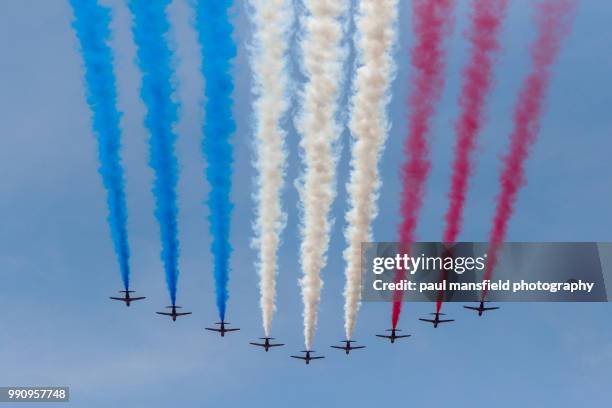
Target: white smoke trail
[
  {"x": 323, "y": 56},
  {"x": 376, "y": 23},
  {"x": 272, "y": 20}
]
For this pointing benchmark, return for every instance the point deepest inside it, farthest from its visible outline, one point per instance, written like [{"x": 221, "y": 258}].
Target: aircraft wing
[
  {"x": 491, "y": 308},
  {"x": 212, "y": 329},
  {"x": 338, "y": 347},
  {"x": 301, "y": 358},
  {"x": 399, "y": 337},
  {"x": 258, "y": 344},
  {"x": 164, "y": 313},
  {"x": 428, "y": 320},
  {"x": 358, "y": 347},
  {"x": 121, "y": 299},
  {"x": 231, "y": 330},
  {"x": 275, "y": 345},
  {"x": 316, "y": 358},
  {"x": 183, "y": 314},
  {"x": 472, "y": 308},
  {"x": 384, "y": 336},
  {"x": 446, "y": 321},
  {"x": 138, "y": 298}
]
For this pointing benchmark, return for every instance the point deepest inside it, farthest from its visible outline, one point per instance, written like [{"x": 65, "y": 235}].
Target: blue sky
[{"x": 57, "y": 264}]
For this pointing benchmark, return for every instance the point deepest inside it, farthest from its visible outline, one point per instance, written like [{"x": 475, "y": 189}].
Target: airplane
[
  {"x": 266, "y": 344},
  {"x": 393, "y": 336},
  {"x": 174, "y": 313},
  {"x": 222, "y": 329},
  {"x": 436, "y": 320},
  {"x": 127, "y": 299},
  {"x": 307, "y": 358},
  {"x": 347, "y": 347},
  {"x": 481, "y": 308}
]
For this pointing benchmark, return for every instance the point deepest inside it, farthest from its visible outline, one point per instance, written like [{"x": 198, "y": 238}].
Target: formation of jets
[{"x": 266, "y": 344}]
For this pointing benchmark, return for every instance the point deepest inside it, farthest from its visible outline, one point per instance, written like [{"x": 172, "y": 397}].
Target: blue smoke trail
[
  {"x": 149, "y": 28},
  {"x": 218, "y": 49},
  {"x": 91, "y": 23}
]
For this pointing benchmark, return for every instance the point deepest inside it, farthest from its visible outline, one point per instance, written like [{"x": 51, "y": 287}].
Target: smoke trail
[
  {"x": 218, "y": 49},
  {"x": 553, "y": 20},
  {"x": 150, "y": 27},
  {"x": 272, "y": 20},
  {"x": 487, "y": 17},
  {"x": 376, "y": 33},
  {"x": 91, "y": 23},
  {"x": 323, "y": 57},
  {"x": 432, "y": 23}
]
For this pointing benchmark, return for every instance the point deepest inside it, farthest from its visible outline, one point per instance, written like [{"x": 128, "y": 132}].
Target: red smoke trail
[
  {"x": 553, "y": 21},
  {"x": 432, "y": 21},
  {"x": 440, "y": 297},
  {"x": 487, "y": 17}
]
